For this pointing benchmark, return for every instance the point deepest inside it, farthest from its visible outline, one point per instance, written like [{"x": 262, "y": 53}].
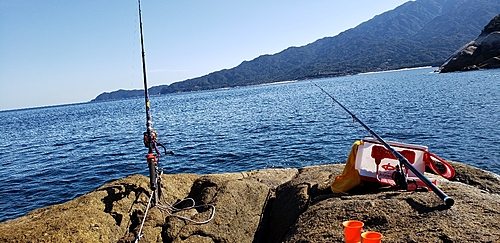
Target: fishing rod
[
  {"x": 153, "y": 158},
  {"x": 399, "y": 176},
  {"x": 150, "y": 134}
]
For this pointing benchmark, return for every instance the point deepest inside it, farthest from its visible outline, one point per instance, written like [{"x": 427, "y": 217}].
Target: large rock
[
  {"x": 403, "y": 216},
  {"x": 271, "y": 205},
  {"x": 481, "y": 53},
  {"x": 104, "y": 215},
  {"x": 114, "y": 212},
  {"x": 293, "y": 198}
]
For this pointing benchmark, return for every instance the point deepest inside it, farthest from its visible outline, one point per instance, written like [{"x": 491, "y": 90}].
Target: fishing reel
[
  {"x": 150, "y": 140},
  {"x": 149, "y": 137},
  {"x": 400, "y": 178},
  {"x": 403, "y": 183}
]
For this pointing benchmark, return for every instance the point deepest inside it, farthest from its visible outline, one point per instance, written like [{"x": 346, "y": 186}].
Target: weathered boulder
[
  {"x": 271, "y": 205},
  {"x": 481, "y": 53},
  {"x": 104, "y": 215},
  {"x": 240, "y": 200},
  {"x": 403, "y": 216},
  {"x": 114, "y": 212},
  {"x": 293, "y": 198}
]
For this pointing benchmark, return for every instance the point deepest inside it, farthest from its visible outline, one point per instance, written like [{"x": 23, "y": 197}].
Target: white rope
[
  {"x": 139, "y": 235},
  {"x": 171, "y": 209}
]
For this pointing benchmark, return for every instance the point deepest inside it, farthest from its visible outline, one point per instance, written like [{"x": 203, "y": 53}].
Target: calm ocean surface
[{"x": 50, "y": 155}]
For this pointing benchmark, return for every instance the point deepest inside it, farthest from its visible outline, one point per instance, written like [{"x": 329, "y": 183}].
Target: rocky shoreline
[
  {"x": 481, "y": 53},
  {"x": 270, "y": 205}
]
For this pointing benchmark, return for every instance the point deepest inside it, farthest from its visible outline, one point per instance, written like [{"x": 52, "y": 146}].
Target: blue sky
[{"x": 58, "y": 51}]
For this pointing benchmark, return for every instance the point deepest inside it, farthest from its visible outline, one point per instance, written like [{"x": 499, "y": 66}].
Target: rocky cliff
[
  {"x": 270, "y": 205},
  {"x": 481, "y": 53}
]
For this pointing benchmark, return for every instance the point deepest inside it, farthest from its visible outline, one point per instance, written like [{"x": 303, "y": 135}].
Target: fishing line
[
  {"x": 139, "y": 235},
  {"x": 399, "y": 176}
]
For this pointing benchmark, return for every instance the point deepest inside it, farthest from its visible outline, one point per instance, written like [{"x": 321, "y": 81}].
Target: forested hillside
[{"x": 417, "y": 33}]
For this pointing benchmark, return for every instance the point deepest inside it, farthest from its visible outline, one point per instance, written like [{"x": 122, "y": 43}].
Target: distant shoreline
[
  {"x": 264, "y": 84},
  {"x": 397, "y": 70}
]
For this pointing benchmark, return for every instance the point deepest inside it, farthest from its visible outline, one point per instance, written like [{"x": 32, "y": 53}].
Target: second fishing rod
[{"x": 400, "y": 177}]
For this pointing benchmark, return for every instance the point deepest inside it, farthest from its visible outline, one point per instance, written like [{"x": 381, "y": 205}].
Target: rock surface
[
  {"x": 481, "y": 53},
  {"x": 270, "y": 205}
]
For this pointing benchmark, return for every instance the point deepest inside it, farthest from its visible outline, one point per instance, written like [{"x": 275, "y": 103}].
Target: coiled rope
[{"x": 171, "y": 210}]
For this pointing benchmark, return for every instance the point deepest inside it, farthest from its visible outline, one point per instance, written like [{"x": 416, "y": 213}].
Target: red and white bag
[{"x": 375, "y": 163}]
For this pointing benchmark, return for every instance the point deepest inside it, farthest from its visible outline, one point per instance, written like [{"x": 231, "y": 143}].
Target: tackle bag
[{"x": 375, "y": 163}]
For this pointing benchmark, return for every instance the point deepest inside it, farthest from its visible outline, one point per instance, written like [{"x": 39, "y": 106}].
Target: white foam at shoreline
[{"x": 396, "y": 70}]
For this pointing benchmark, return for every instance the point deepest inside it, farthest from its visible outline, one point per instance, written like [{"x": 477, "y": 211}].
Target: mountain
[
  {"x": 481, "y": 53},
  {"x": 417, "y": 33},
  {"x": 126, "y": 94}
]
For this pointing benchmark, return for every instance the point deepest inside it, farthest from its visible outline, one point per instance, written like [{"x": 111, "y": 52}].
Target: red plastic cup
[
  {"x": 352, "y": 231},
  {"x": 371, "y": 237}
]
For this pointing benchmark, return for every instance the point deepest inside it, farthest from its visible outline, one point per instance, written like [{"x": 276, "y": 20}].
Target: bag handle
[{"x": 449, "y": 171}]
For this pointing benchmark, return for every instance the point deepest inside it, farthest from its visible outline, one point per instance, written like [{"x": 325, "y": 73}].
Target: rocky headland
[
  {"x": 270, "y": 205},
  {"x": 481, "y": 53}
]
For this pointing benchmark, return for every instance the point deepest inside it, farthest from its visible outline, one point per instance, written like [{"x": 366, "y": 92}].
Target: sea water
[{"x": 50, "y": 155}]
